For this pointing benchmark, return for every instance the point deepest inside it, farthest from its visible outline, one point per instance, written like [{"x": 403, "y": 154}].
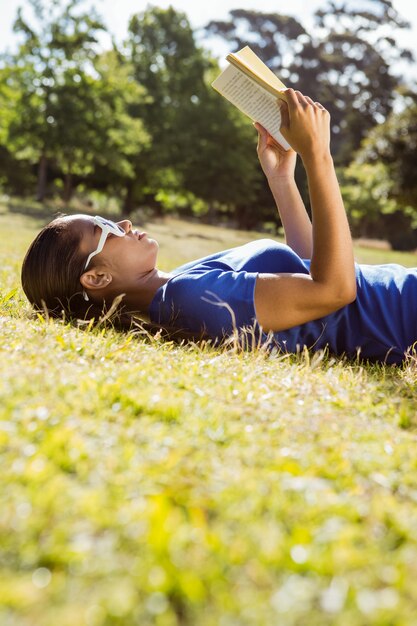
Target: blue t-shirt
[{"x": 215, "y": 294}]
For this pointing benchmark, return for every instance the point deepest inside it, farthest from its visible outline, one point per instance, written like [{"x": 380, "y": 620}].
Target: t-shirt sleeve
[{"x": 210, "y": 300}]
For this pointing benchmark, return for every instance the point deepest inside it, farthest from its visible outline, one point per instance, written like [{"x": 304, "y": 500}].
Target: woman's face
[{"x": 127, "y": 259}]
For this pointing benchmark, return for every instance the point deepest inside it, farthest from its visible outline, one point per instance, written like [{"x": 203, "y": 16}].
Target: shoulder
[
  {"x": 263, "y": 255},
  {"x": 198, "y": 281},
  {"x": 233, "y": 258},
  {"x": 270, "y": 256},
  {"x": 214, "y": 299}
]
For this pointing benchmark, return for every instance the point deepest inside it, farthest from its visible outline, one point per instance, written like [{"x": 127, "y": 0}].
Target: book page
[
  {"x": 254, "y": 63},
  {"x": 250, "y": 98}
]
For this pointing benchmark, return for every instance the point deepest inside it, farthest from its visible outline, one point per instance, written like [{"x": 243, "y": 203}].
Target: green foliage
[
  {"x": 366, "y": 188},
  {"x": 380, "y": 190},
  {"x": 355, "y": 59},
  {"x": 179, "y": 201},
  {"x": 117, "y": 136},
  {"x": 54, "y": 56},
  {"x": 141, "y": 123},
  {"x": 150, "y": 484},
  {"x": 272, "y": 36},
  {"x": 347, "y": 66},
  {"x": 394, "y": 144},
  {"x": 185, "y": 118},
  {"x": 70, "y": 105}
]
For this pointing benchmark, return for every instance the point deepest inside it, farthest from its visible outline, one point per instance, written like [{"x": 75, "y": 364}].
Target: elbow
[
  {"x": 347, "y": 294},
  {"x": 338, "y": 292},
  {"x": 337, "y": 298},
  {"x": 352, "y": 293},
  {"x": 351, "y": 290}
]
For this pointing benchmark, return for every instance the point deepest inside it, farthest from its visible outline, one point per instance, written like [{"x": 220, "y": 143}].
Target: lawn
[{"x": 149, "y": 484}]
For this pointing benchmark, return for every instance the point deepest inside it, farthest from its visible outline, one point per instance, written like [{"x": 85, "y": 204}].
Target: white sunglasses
[{"x": 107, "y": 228}]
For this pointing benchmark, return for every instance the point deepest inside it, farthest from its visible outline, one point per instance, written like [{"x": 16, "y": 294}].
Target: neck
[{"x": 139, "y": 299}]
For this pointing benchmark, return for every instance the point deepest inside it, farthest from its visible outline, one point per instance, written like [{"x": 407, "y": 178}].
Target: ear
[{"x": 95, "y": 279}]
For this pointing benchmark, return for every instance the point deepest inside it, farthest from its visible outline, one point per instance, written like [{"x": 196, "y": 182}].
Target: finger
[
  {"x": 301, "y": 98},
  {"x": 292, "y": 100},
  {"x": 285, "y": 116},
  {"x": 264, "y": 133},
  {"x": 262, "y": 136},
  {"x": 319, "y": 105},
  {"x": 261, "y": 129},
  {"x": 272, "y": 142},
  {"x": 310, "y": 101}
]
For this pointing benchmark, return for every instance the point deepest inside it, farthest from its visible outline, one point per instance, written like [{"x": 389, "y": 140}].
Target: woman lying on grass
[{"x": 307, "y": 293}]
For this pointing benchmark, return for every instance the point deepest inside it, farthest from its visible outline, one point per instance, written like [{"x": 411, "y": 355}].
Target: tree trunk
[
  {"x": 68, "y": 188},
  {"x": 42, "y": 178}
]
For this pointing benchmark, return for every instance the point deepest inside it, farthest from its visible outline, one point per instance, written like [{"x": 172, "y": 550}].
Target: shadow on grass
[
  {"x": 41, "y": 211},
  {"x": 195, "y": 235},
  {"x": 49, "y": 210}
]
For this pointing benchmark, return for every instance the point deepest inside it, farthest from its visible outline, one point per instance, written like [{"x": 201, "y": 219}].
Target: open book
[{"x": 253, "y": 88}]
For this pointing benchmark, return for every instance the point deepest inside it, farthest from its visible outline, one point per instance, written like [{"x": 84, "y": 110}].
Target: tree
[
  {"x": 394, "y": 144},
  {"x": 15, "y": 174},
  {"x": 161, "y": 51},
  {"x": 354, "y": 61},
  {"x": 219, "y": 162},
  {"x": 96, "y": 132},
  {"x": 57, "y": 42},
  {"x": 198, "y": 143},
  {"x": 380, "y": 186},
  {"x": 70, "y": 110},
  {"x": 345, "y": 64},
  {"x": 272, "y": 36}
]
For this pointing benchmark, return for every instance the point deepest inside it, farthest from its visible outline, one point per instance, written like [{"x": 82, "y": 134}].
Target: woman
[{"x": 78, "y": 263}]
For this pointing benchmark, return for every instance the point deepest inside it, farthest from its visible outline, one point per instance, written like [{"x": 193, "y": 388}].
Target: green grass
[{"x": 145, "y": 483}]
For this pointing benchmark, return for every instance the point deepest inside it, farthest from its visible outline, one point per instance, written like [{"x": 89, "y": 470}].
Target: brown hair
[
  {"x": 50, "y": 276},
  {"x": 51, "y": 272}
]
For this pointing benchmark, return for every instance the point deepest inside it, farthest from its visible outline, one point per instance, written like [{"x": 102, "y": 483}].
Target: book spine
[{"x": 262, "y": 83}]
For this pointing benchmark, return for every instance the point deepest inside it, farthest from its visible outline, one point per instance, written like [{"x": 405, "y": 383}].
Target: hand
[
  {"x": 275, "y": 161},
  {"x": 307, "y": 127}
]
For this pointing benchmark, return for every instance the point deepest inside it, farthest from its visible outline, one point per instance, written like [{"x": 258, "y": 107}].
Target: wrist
[
  {"x": 317, "y": 159},
  {"x": 281, "y": 179}
]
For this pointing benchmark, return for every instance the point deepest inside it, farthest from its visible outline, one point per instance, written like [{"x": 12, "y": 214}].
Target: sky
[{"x": 116, "y": 14}]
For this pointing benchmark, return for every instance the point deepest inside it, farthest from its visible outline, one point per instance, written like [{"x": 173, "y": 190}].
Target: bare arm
[
  {"x": 278, "y": 166},
  {"x": 285, "y": 300},
  {"x": 294, "y": 217}
]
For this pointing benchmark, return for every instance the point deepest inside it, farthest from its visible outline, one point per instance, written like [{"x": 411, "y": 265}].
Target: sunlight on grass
[{"x": 154, "y": 484}]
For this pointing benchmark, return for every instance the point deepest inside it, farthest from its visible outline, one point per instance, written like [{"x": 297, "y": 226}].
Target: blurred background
[{"x": 107, "y": 107}]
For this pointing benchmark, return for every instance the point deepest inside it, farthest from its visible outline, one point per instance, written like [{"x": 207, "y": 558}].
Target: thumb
[
  {"x": 285, "y": 115},
  {"x": 285, "y": 120},
  {"x": 262, "y": 135}
]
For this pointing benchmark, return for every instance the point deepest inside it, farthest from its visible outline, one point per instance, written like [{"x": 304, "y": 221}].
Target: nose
[{"x": 126, "y": 225}]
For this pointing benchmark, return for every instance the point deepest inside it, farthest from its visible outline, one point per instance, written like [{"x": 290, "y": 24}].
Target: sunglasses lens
[{"x": 112, "y": 226}]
